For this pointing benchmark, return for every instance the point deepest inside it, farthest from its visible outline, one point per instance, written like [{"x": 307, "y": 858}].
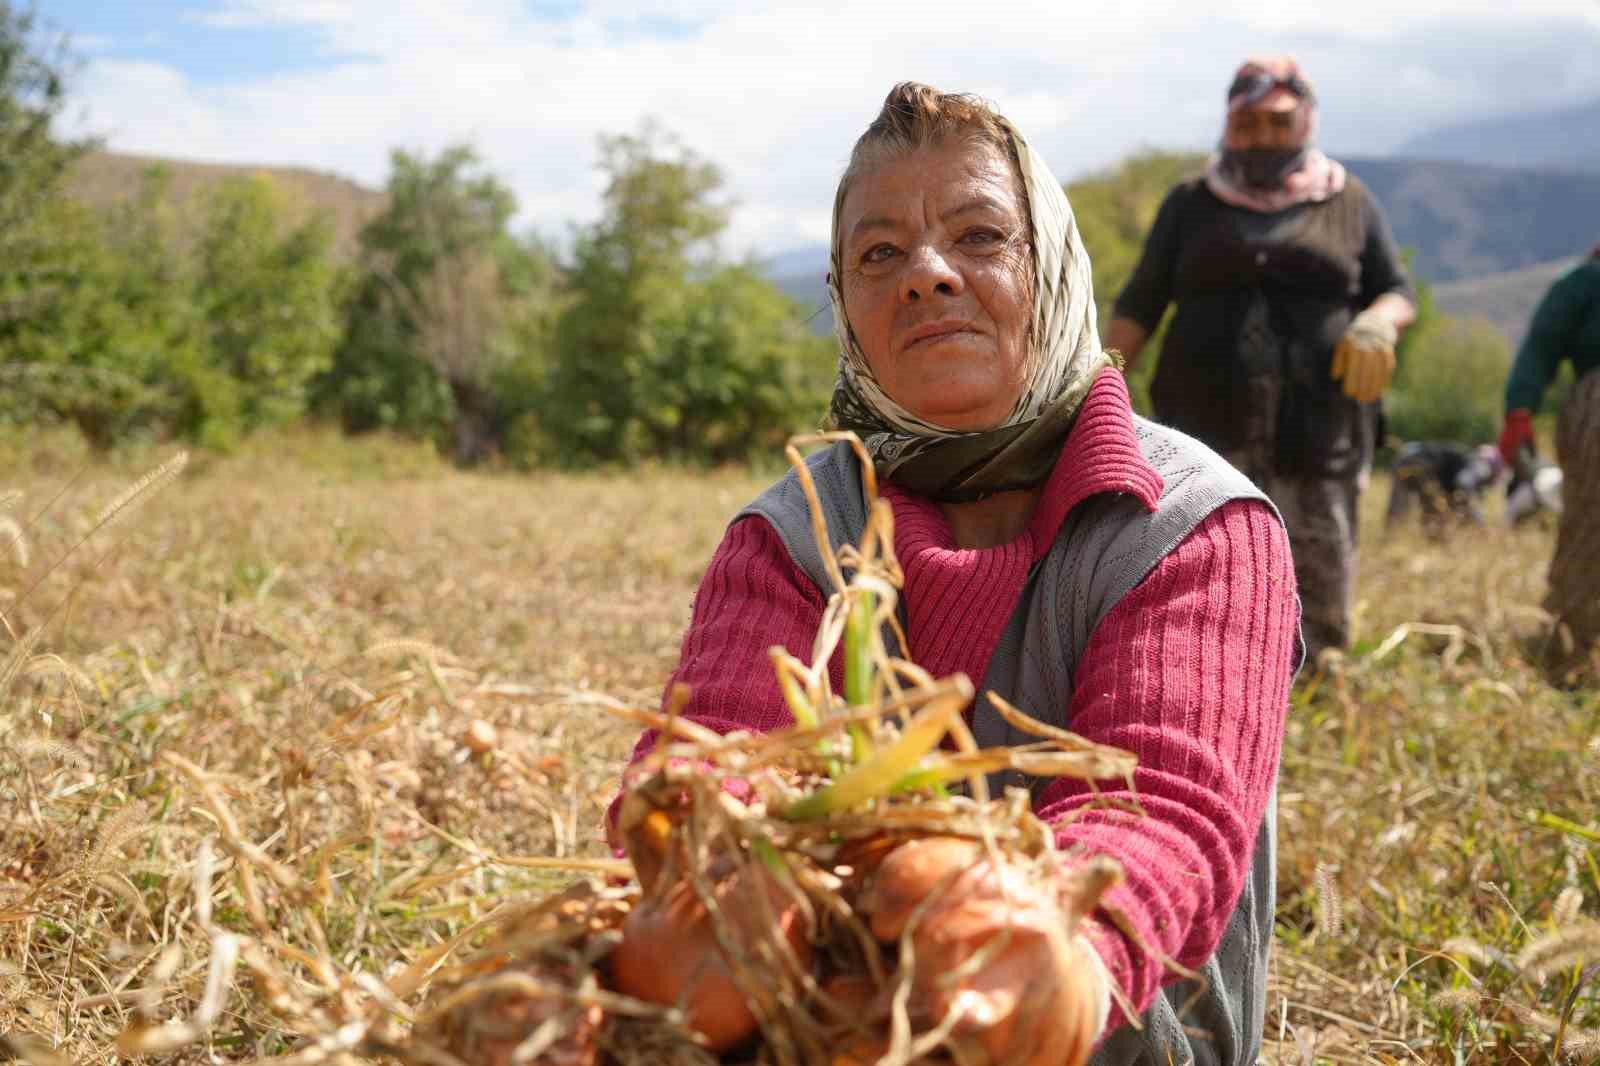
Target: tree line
[{"x": 640, "y": 339}]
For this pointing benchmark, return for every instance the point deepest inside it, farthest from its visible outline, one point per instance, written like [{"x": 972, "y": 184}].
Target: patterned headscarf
[
  {"x": 1063, "y": 359},
  {"x": 1314, "y": 179}
]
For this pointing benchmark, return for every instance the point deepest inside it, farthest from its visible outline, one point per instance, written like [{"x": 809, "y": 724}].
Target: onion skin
[
  {"x": 669, "y": 952},
  {"x": 1033, "y": 1003},
  {"x": 911, "y": 873}
]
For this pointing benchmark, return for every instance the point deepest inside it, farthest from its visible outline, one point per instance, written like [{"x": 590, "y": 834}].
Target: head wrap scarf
[
  {"x": 1315, "y": 178},
  {"x": 1063, "y": 359}
]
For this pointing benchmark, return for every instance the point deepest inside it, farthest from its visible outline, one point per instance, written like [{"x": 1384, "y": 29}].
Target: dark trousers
[
  {"x": 1574, "y": 596},
  {"x": 1321, "y": 518}
]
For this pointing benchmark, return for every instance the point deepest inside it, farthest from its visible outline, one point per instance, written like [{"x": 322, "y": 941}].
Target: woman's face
[
  {"x": 1273, "y": 123},
  {"x": 937, "y": 281}
]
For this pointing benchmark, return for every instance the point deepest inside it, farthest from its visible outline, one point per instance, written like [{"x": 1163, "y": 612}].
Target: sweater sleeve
[
  {"x": 1383, "y": 269},
  {"x": 1145, "y": 297},
  {"x": 1191, "y": 672},
  {"x": 1551, "y": 337}
]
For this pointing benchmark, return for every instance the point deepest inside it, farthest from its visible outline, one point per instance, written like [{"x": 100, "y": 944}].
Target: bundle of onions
[{"x": 758, "y": 928}]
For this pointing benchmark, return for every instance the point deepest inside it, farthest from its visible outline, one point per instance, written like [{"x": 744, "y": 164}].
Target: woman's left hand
[{"x": 1037, "y": 998}]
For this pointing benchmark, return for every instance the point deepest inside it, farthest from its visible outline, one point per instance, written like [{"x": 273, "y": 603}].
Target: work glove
[
  {"x": 1365, "y": 356},
  {"x": 1517, "y": 433}
]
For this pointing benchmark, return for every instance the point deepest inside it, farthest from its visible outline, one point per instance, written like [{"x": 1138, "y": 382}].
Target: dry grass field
[{"x": 278, "y": 655}]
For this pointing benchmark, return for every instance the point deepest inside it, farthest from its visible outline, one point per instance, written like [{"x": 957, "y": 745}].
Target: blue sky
[
  {"x": 774, "y": 93},
  {"x": 187, "y": 36}
]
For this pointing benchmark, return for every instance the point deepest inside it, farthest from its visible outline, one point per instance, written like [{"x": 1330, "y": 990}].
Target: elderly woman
[
  {"x": 1106, "y": 573},
  {"x": 1287, "y": 282},
  {"x": 1566, "y": 326}
]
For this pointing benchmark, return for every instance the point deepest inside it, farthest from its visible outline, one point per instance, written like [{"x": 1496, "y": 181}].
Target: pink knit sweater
[{"x": 1190, "y": 671}]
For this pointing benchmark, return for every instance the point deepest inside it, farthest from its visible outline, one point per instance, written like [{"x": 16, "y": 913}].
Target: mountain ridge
[
  {"x": 1557, "y": 138},
  {"x": 103, "y": 178}
]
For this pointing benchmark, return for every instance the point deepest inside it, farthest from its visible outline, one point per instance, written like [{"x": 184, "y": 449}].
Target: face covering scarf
[
  {"x": 1063, "y": 360},
  {"x": 1269, "y": 180}
]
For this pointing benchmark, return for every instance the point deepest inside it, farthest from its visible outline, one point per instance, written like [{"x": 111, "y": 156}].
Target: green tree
[
  {"x": 32, "y": 159},
  {"x": 266, "y": 298},
  {"x": 731, "y": 370},
  {"x": 629, "y": 267},
  {"x": 146, "y": 332},
  {"x": 665, "y": 351},
  {"x": 113, "y": 330},
  {"x": 42, "y": 240},
  {"x": 443, "y": 308},
  {"x": 1451, "y": 384}
]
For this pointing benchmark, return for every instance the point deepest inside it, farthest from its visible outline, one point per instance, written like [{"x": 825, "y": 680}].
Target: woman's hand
[
  {"x": 1516, "y": 435},
  {"x": 1036, "y": 997},
  {"x": 1365, "y": 355}
]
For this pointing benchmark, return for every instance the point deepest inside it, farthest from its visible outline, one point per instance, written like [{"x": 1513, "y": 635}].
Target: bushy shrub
[
  {"x": 665, "y": 351},
  {"x": 1450, "y": 384},
  {"x": 133, "y": 331}
]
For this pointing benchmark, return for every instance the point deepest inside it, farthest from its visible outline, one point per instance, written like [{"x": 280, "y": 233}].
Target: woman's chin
[{"x": 973, "y": 417}]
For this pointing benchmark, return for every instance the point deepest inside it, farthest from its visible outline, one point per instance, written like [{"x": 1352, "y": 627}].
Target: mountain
[
  {"x": 801, "y": 260},
  {"x": 1467, "y": 220},
  {"x": 1564, "y": 138},
  {"x": 104, "y": 178},
  {"x": 802, "y": 274},
  {"x": 1506, "y": 299}
]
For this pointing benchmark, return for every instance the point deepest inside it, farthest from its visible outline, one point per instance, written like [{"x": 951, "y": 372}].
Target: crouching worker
[
  {"x": 1442, "y": 481},
  {"x": 1534, "y": 488},
  {"x": 1566, "y": 328},
  {"x": 1107, "y": 574}
]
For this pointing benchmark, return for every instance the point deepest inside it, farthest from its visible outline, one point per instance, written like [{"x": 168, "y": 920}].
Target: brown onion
[
  {"x": 910, "y": 874},
  {"x": 669, "y": 953}
]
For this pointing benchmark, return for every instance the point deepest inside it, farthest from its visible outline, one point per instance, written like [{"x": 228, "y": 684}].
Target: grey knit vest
[{"x": 1105, "y": 547}]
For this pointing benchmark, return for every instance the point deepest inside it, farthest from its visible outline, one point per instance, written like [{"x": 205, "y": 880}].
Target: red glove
[{"x": 1518, "y": 431}]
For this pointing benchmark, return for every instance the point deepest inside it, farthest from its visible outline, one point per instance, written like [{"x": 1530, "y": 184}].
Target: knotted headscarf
[
  {"x": 1313, "y": 177},
  {"x": 1063, "y": 359}
]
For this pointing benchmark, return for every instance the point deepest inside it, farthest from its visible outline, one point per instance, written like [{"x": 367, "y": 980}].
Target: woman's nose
[{"x": 928, "y": 272}]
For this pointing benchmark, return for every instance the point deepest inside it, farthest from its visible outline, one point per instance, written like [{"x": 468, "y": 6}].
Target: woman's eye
[
  {"x": 981, "y": 237},
  {"x": 878, "y": 253}
]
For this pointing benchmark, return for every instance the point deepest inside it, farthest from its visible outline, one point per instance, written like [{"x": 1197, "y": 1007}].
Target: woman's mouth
[{"x": 933, "y": 332}]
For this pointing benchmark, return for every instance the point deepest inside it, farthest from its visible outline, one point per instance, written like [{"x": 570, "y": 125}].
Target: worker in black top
[{"x": 1290, "y": 296}]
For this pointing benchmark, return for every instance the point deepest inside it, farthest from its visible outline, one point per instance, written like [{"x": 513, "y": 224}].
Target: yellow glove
[{"x": 1365, "y": 356}]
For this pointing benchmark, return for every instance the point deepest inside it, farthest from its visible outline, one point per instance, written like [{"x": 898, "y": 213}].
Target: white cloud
[{"x": 776, "y": 93}]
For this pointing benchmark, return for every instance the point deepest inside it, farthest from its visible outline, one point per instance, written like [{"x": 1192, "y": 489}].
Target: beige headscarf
[{"x": 1064, "y": 358}]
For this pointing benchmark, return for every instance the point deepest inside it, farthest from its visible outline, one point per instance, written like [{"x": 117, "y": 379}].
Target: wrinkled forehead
[{"x": 903, "y": 185}]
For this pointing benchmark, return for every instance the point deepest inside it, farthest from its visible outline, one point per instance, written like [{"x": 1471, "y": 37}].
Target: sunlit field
[{"x": 378, "y": 677}]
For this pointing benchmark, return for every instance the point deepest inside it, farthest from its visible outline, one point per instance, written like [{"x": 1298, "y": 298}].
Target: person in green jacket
[{"x": 1566, "y": 326}]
